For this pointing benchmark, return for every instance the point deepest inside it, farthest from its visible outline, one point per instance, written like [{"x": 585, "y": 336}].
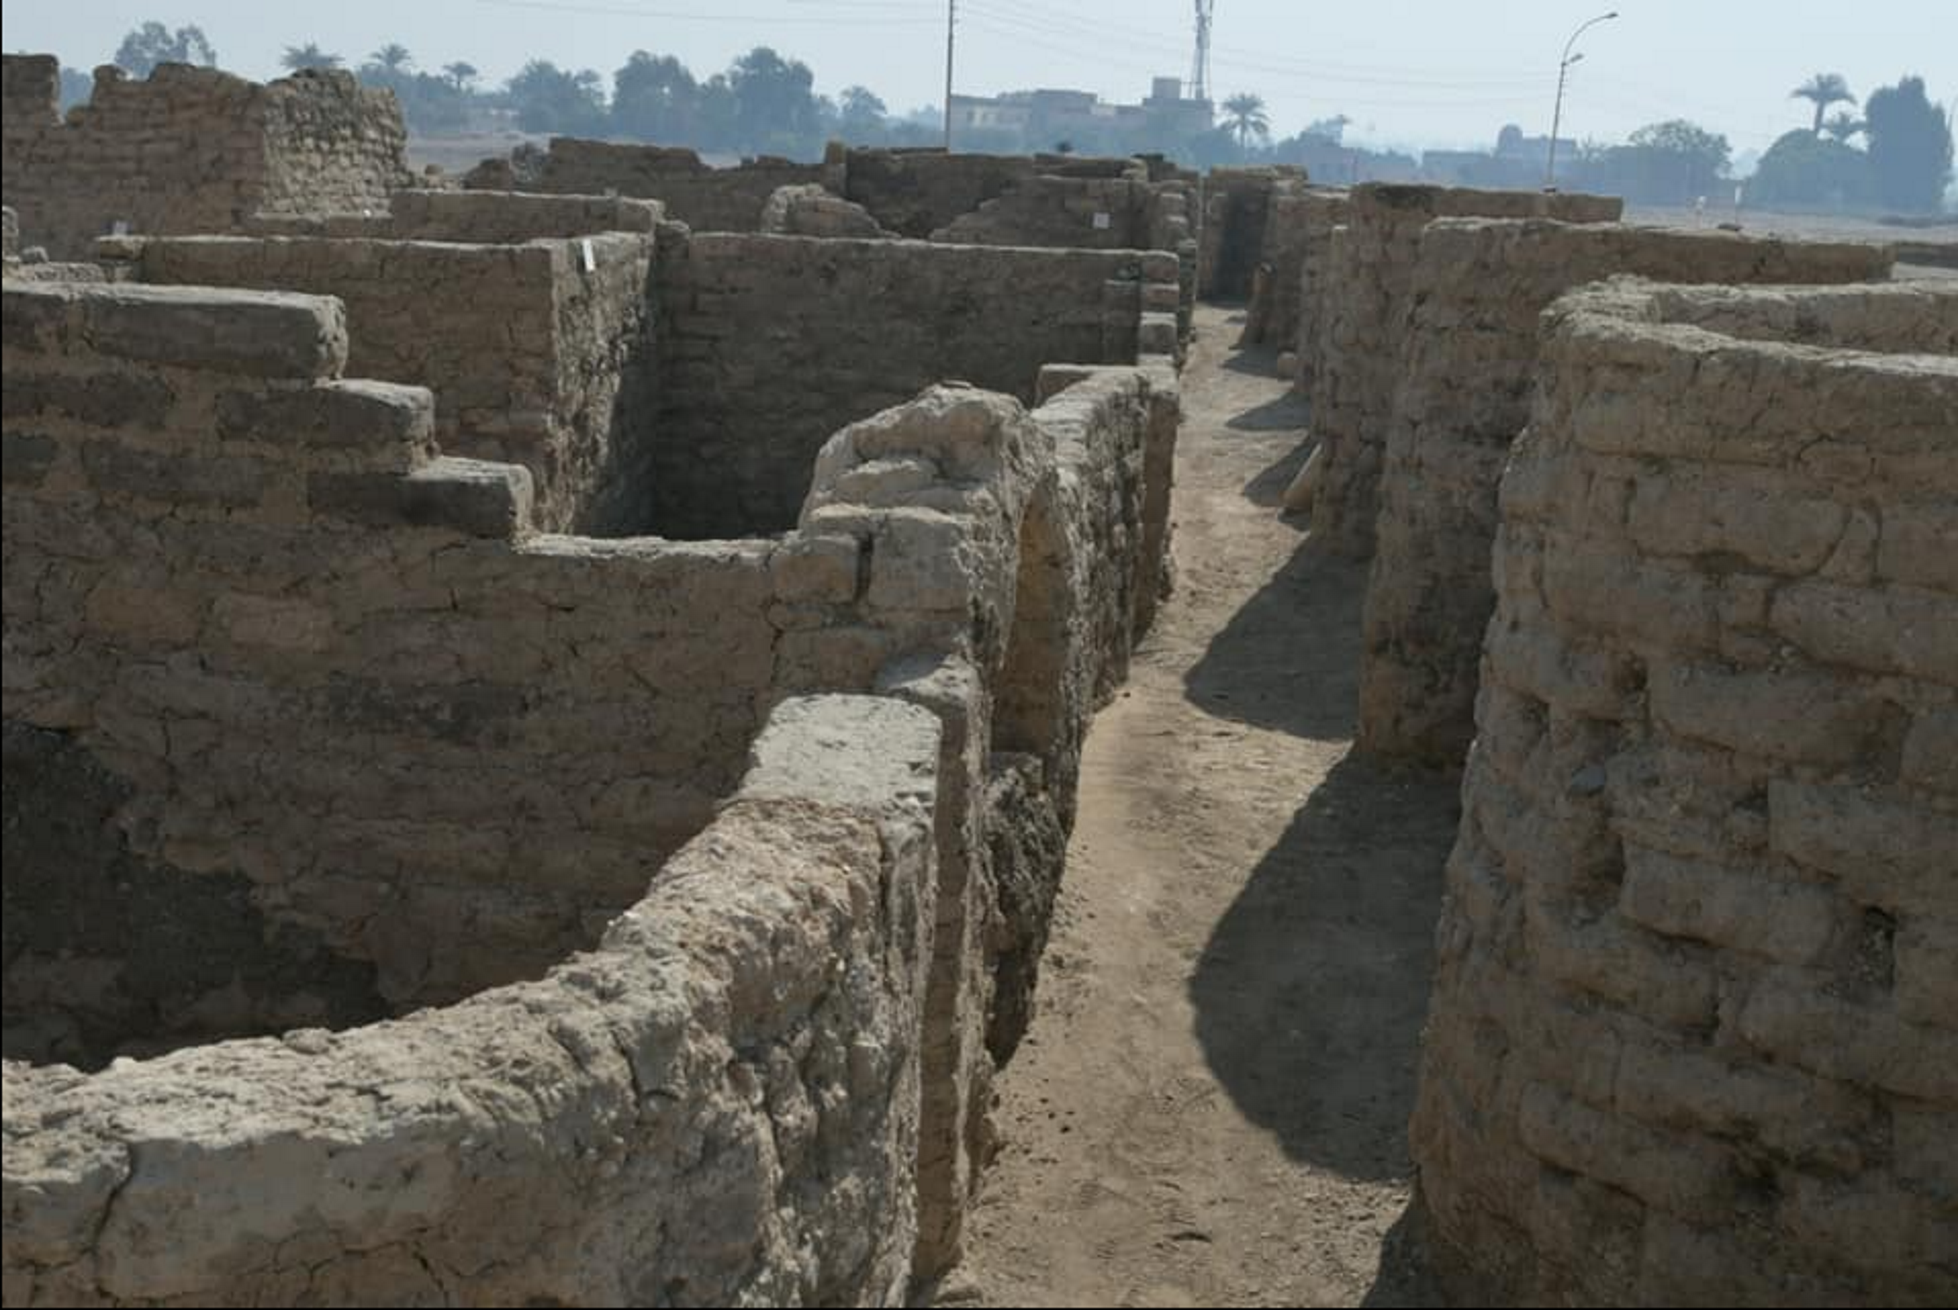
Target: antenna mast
[{"x": 1200, "y": 64}]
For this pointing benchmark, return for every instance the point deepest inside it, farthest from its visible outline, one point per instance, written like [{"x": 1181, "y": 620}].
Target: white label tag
[
  {"x": 591, "y": 259},
  {"x": 1101, "y": 222},
  {"x": 120, "y": 228}
]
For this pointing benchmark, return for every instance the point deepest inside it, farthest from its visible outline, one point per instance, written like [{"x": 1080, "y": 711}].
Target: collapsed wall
[
  {"x": 768, "y": 344},
  {"x": 1694, "y": 1030},
  {"x": 1477, "y": 289},
  {"x": 1366, "y": 294},
  {"x": 338, "y": 719},
  {"x": 190, "y": 150}
]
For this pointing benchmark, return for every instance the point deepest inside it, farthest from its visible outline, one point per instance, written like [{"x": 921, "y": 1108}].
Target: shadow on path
[
  {"x": 1289, "y": 658},
  {"x": 1311, "y": 991}
]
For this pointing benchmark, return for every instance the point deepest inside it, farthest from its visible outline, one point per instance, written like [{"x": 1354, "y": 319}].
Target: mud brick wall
[
  {"x": 761, "y": 1009},
  {"x": 1298, "y": 229},
  {"x": 768, "y": 344},
  {"x": 1467, "y": 371},
  {"x": 916, "y": 192},
  {"x": 339, "y": 680},
  {"x": 1694, "y": 1031},
  {"x": 1061, "y": 211},
  {"x": 1236, "y": 209},
  {"x": 1366, "y": 294},
  {"x": 473, "y": 217},
  {"x": 533, "y": 358},
  {"x": 191, "y": 150},
  {"x": 705, "y": 198}
]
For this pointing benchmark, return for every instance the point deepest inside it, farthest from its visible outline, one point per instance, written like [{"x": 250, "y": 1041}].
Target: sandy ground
[{"x": 1211, "y": 1106}]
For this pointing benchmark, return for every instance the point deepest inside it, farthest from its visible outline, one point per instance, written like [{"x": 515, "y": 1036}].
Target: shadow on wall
[
  {"x": 1289, "y": 659},
  {"x": 1312, "y": 989}
]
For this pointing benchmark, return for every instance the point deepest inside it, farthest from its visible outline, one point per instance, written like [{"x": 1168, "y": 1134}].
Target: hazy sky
[{"x": 1435, "y": 72}]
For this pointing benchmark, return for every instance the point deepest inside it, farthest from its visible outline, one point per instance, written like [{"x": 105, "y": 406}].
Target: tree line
[{"x": 1897, "y": 154}]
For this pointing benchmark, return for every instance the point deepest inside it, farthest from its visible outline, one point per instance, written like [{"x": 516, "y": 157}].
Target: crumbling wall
[
  {"x": 1694, "y": 1031},
  {"x": 769, "y": 344},
  {"x": 1366, "y": 293},
  {"x": 1096, "y": 213},
  {"x": 1467, "y": 369},
  {"x": 191, "y": 150},
  {"x": 534, "y": 357},
  {"x": 718, "y": 1105},
  {"x": 810, "y": 210},
  {"x": 706, "y": 198},
  {"x": 916, "y": 192},
  {"x": 336, "y": 669}
]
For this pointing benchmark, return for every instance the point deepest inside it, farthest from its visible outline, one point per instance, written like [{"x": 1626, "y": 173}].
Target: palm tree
[
  {"x": 392, "y": 57},
  {"x": 1842, "y": 125},
  {"x": 1824, "y": 89},
  {"x": 1246, "y": 116},
  {"x": 460, "y": 74},
  {"x": 309, "y": 55}
]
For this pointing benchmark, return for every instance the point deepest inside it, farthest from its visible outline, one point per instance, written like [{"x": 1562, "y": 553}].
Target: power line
[{"x": 827, "y": 20}]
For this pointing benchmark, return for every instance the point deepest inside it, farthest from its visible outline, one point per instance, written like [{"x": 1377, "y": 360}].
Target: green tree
[
  {"x": 552, "y": 99},
  {"x": 310, "y": 55},
  {"x": 774, "y": 102},
  {"x": 1331, "y": 129},
  {"x": 392, "y": 58},
  {"x": 655, "y": 98},
  {"x": 1824, "y": 89},
  {"x": 1244, "y": 114},
  {"x": 461, "y": 74},
  {"x": 1842, "y": 125},
  {"x": 1910, "y": 146},
  {"x": 860, "y": 114},
  {"x": 1803, "y": 170},
  {"x": 76, "y": 88},
  {"x": 1673, "y": 161},
  {"x": 151, "y": 44}
]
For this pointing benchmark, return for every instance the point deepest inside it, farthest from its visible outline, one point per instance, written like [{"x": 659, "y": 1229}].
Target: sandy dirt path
[{"x": 1211, "y": 1106}]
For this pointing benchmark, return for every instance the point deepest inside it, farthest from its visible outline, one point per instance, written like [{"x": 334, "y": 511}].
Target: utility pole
[
  {"x": 1200, "y": 62},
  {"x": 951, "y": 23}
]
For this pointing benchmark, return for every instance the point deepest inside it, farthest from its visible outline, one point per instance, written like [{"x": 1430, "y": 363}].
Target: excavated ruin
[{"x": 543, "y": 719}]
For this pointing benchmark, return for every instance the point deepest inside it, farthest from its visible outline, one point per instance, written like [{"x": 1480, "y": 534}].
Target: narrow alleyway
[{"x": 1211, "y": 1106}]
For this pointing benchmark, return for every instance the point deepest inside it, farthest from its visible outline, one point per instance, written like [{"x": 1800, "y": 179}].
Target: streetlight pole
[{"x": 1557, "y": 115}]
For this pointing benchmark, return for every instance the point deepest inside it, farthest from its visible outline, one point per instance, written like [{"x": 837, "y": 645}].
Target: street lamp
[{"x": 1557, "y": 116}]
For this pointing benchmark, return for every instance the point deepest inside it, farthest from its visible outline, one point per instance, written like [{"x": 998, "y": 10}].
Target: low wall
[
  {"x": 1467, "y": 370},
  {"x": 1298, "y": 233},
  {"x": 705, "y": 198},
  {"x": 472, "y": 217},
  {"x": 1694, "y": 1030},
  {"x": 916, "y": 192},
  {"x": 191, "y": 150},
  {"x": 768, "y": 344},
  {"x": 1366, "y": 294},
  {"x": 717, "y": 1105},
  {"x": 534, "y": 358}
]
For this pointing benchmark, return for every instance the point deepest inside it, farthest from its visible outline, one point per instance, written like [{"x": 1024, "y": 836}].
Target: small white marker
[
  {"x": 1101, "y": 222},
  {"x": 591, "y": 258}
]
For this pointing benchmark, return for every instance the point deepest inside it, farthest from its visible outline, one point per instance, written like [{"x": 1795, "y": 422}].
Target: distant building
[
  {"x": 1518, "y": 161},
  {"x": 1047, "y": 115}
]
